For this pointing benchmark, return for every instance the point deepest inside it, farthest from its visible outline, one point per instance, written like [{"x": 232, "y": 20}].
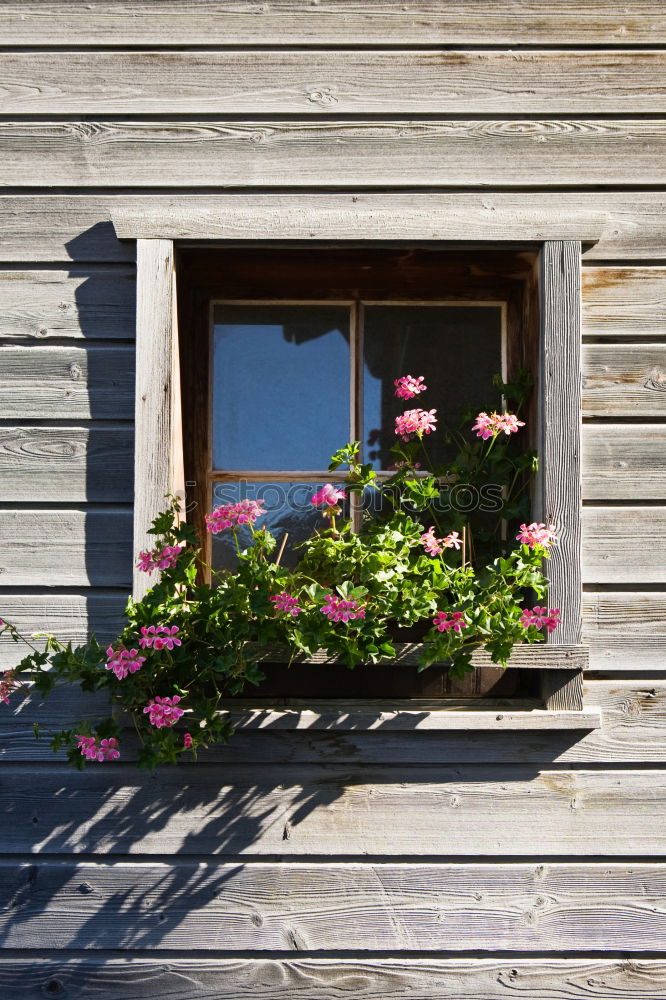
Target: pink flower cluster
[
  {"x": 285, "y": 602},
  {"x": 232, "y": 515},
  {"x": 536, "y": 534},
  {"x": 339, "y": 610},
  {"x": 159, "y": 637},
  {"x": 187, "y": 741},
  {"x": 158, "y": 558},
  {"x": 328, "y": 496},
  {"x": 541, "y": 617},
  {"x": 413, "y": 422},
  {"x": 163, "y": 711},
  {"x": 490, "y": 425},
  {"x": 92, "y": 750},
  {"x": 8, "y": 683},
  {"x": 123, "y": 661},
  {"x": 445, "y": 621},
  {"x": 407, "y": 386},
  {"x": 435, "y": 546}
]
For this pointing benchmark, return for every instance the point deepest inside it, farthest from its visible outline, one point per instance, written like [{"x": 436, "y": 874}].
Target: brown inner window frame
[{"x": 345, "y": 275}]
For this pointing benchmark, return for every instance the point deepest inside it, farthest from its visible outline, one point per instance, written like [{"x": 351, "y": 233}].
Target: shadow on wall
[
  {"x": 105, "y": 303},
  {"x": 228, "y": 816}
]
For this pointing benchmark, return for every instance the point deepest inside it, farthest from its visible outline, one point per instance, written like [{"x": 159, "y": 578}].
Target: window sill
[{"x": 407, "y": 715}]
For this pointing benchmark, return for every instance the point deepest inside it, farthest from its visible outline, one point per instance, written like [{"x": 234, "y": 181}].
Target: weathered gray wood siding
[{"x": 457, "y": 865}]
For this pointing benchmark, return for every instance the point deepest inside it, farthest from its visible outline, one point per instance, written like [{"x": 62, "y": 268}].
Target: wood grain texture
[
  {"x": 66, "y": 548},
  {"x": 81, "y": 302},
  {"x": 70, "y": 383},
  {"x": 397, "y": 81},
  {"x": 624, "y": 545},
  {"x": 324, "y": 222},
  {"x": 69, "y": 464},
  {"x": 624, "y": 462},
  {"x": 559, "y": 482},
  {"x": 334, "y": 978},
  {"x": 624, "y": 380},
  {"x": 338, "y": 22},
  {"x": 264, "y": 907},
  {"x": 624, "y": 301},
  {"x": 333, "y": 154},
  {"x": 633, "y": 731},
  {"x": 329, "y": 810},
  {"x": 157, "y": 392},
  {"x": 626, "y": 630},
  {"x": 60, "y": 228}
]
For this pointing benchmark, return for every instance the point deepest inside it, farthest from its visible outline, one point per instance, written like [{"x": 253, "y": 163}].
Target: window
[{"x": 544, "y": 297}]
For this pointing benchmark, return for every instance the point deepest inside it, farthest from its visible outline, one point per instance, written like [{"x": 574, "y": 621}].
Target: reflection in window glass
[
  {"x": 457, "y": 348},
  {"x": 288, "y": 507},
  {"x": 280, "y": 386}
]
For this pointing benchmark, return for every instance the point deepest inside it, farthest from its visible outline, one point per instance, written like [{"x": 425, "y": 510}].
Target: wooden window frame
[{"x": 159, "y": 468}]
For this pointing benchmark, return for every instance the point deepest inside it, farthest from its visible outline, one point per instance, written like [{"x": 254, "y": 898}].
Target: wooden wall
[{"x": 328, "y": 865}]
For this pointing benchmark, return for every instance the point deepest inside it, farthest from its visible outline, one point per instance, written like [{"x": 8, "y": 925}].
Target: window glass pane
[
  {"x": 280, "y": 386},
  {"x": 288, "y": 507},
  {"x": 457, "y": 348}
]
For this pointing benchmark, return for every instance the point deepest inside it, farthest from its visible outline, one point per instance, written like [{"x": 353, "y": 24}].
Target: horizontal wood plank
[
  {"x": 626, "y": 630},
  {"x": 315, "y": 809},
  {"x": 187, "y": 978},
  {"x": 334, "y": 154},
  {"x": 397, "y": 81},
  {"x": 624, "y": 380},
  {"x": 68, "y": 464},
  {"x": 339, "y": 22},
  {"x": 66, "y": 548},
  {"x": 624, "y": 462},
  {"x": 263, "y": 907},
  {"x": 83, "y": 303},
  {"x": 69, "y": 383},
  {"x": 624, "y": 545},
  {"x": 70, "y": 617},
  {"x": 624, "y": 301},
  {"x": 633, "y": 731},
  {"x": 60, "y": 228},
  {"x": 458, "y": 224}
]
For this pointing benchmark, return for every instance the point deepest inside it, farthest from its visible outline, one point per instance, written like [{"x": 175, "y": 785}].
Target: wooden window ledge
[{"x": 406, "y": 715}]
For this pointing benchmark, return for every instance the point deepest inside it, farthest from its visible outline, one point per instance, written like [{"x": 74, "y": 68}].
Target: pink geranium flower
[
  {"x": 233, "y": 515},
  {"x": 187, "y": 741},
  {"x": 548, "y": 618},
  {"x": 446, "y": 621},
  {"x": 432, "y": 545},
  {"x": 159, "y": 558},
  {"x": 159, "y": 637},
  {"x": 328, "y": 496},
  {"x": 490, "y": 425},
  {"x": 536, "y": 534},
  {"x": 435, "y": 546},
  {"x": 509, "y": 423},
  {"x": 8, "y": 683},
  {"x": 407, "y": 386},
  {"x": 285, "y": 602},
  {"x": 452, "y": 541},
  {"x": 337, "y": 609},
  {"x": 92, "y": 750},
  {"x": 163, "y": 711},
  {"x": 413, "y": 422},
  {"x": 123, "y": 661}
]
